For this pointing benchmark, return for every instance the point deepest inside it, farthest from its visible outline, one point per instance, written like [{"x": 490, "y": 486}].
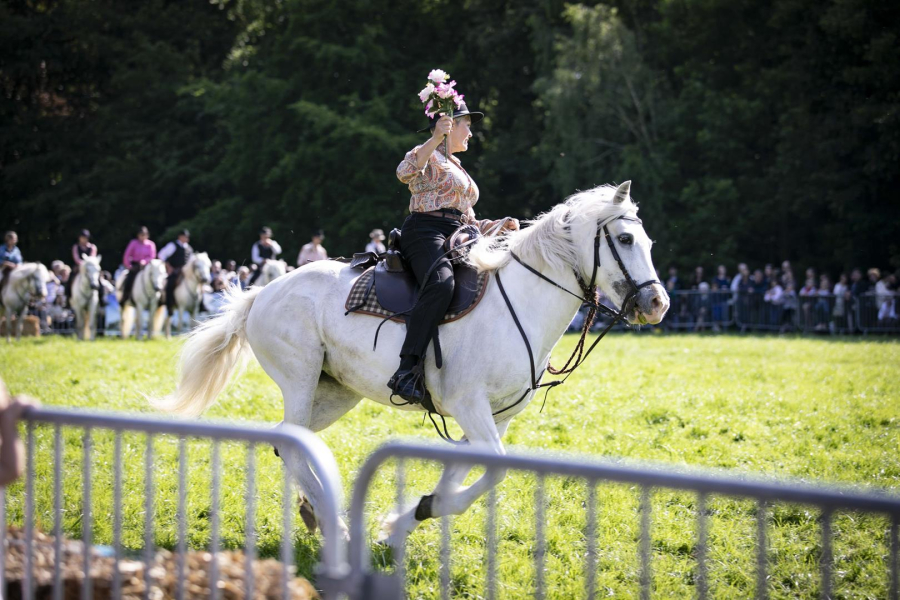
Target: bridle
[{"x": 589, "y": 297}]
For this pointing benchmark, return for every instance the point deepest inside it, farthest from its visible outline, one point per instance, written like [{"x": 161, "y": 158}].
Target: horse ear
[
  {"x": 83, "y": 256},
  {"x": 99, "y": 258},
  {"x": 622, "y": 192}
]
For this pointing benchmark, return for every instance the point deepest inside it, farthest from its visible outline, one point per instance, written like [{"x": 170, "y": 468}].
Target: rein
[{"x": 589, "y": 297}]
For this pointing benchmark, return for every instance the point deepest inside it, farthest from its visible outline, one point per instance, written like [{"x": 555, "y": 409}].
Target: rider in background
[
  {"x": 176, "y": 254},
  {"x": 264, "y": 250},
  {"x": 314, "y": 250},
  {"x": 10, "y": 256},
  {"x": 82, "y": 247},
  {"x": 139, "y": 252},
  {"x": 376, "y": 243}
]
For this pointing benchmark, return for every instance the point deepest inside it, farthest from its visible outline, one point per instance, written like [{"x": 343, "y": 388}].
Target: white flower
[
  {"x": 426, "y": 92},
  {"x": 438, "y": 76}
]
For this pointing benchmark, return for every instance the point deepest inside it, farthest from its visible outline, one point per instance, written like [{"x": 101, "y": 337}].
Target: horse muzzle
[{"x": 651, "y": 305}]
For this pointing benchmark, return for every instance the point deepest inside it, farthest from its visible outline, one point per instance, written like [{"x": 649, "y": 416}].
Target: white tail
[{"x": 210, "y": 355}]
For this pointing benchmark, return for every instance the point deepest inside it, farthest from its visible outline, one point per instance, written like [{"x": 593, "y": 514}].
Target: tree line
[{"x": 753, "y": 130}]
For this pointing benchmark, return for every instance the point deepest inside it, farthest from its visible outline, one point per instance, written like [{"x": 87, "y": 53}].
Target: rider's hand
[
  {"x": 443, "y": 127},
  {"x": 512, "y": 225}
]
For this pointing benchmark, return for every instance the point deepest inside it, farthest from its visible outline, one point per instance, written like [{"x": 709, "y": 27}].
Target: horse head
[
  {"x": 157, "y": 274},
  {"x": 274, "y": 269},
  {"x": 39, "y": 280},
  {"x": 202, "y": 266},
  {"x": 90, "y": 269},
  {"x": 614, "y": 251}
]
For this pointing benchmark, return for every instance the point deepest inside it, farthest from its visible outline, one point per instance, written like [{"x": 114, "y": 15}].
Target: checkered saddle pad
[{"x": 363, "y": 299}]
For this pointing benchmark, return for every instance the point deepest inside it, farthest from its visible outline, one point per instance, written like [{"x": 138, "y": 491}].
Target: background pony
[
  {"x": 26, "y": 282},
  {"x": 145, "y": 295},
  {"x": 86, "y": 297},
  {"x": 188, "y": 294},
  {"x": 271, "y": 270}
]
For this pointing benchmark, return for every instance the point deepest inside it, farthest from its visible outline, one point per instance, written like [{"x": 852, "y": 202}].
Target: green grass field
[{"x": 812, "y": 409}]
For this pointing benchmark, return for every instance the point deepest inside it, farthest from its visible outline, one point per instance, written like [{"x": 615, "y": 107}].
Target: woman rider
[
  {"x": 139, "y": 252},
  {"x": 83, "y": 247},
  {"x": 443, "y": 195}
]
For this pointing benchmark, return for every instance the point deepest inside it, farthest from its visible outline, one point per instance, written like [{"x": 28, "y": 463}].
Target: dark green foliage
[{"x": 752, "y": 131}]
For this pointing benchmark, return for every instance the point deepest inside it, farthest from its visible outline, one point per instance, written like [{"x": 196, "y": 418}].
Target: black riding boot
[
  {"x": 409, "y": 380},
  {"x": 171, "y": 282}
]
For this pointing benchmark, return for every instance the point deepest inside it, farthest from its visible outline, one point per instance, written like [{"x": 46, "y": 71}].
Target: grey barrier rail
[
  {"x": 332, "y": 565},
  {"x": 364, "y": 582}
]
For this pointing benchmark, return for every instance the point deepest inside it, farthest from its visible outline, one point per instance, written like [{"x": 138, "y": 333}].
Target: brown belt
[{"x": 442, "y": 214}]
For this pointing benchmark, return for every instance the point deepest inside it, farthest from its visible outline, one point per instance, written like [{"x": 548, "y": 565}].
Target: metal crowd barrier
[
  {"x": 332, "y": 566},
  {"x": 365, "y": 582}
]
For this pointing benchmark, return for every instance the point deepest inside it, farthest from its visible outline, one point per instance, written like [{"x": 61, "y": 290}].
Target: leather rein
[{"x": 589, "y": 297}]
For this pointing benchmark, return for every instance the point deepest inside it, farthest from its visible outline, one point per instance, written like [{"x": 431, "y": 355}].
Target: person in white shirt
[
  {"x": 264, "y": 250},
  {"x": 314, "y": 250},
  {"x": 376, "y": 239}
]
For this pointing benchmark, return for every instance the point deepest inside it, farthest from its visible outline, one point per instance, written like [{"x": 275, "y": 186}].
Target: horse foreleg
[
  {"x": 449, "y": 496},
  {"x": 20, "y": 322},
  {"x": 79, "y": 323},
  {"x": 91, "y": 330}
]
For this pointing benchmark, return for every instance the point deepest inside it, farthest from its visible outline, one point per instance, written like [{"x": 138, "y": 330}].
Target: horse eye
[{"x": 626, "y": 239}]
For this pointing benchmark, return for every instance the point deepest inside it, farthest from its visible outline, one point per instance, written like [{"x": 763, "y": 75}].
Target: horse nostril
[{"x": 655, "y": 303}]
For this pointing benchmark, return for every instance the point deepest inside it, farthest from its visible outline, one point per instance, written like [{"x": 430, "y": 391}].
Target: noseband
[{"x": 589, "y": 297}]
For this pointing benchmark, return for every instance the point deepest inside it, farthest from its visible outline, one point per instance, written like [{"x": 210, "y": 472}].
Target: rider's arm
[
  {"x": 152, "y": 249},
  {"x": 416, "y": 160},
  {"x": 254, "y": 254},
  {"x": 75, "y": 255},
  {"x": 276, "y": 247},
  {"x": 129, "y": 255},
  {"x": 167, "y": 251}
]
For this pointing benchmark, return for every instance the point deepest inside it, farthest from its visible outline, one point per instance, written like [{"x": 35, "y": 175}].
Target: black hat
[
  {"x": 265, "y": 231},
  {"x": 318, "y": 233},
  {"x": 462, "y": 111},
  {"x": 185, "y": 233},
  {"x": 85, "y": 233}
]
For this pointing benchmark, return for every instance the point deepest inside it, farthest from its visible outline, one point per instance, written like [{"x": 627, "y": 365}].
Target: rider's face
[{"x": 459, "y": 136}]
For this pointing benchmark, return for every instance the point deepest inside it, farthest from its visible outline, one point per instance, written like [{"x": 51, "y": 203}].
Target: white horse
[
  {"x": 189, "y": 292},
  {"x": 26, "y": 282},
  {"x": 324, "y": 363},
  {"x": 146, "y": 294},
  {"x": 271, "y": 270},
  {"x": 86, "y": 297}
]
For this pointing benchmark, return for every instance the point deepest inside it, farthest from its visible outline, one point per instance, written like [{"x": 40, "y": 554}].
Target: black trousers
[
  {"x": 129, "y": 281},
  {"x": 171, "y": 284},
  {"x": 422, "y": 243}
]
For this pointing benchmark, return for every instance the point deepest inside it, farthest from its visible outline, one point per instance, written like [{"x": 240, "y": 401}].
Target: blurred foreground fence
[
  {"x": 368, "y": 582},
  {"x": 131, "y": 486},
  {"x": 132, "y": 493}
]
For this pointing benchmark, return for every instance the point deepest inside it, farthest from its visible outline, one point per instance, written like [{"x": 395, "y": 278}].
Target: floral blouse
[{"x": 440, "y": 184}]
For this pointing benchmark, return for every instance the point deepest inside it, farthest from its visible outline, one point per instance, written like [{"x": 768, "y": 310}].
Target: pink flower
[
  {"x": 458, "y": 98},
  {"x": 445, "y": 90},
  {"x": 438, "y": 76},
  {"x": 426, "y": 92},
  {"x": 428, "y": 112}
]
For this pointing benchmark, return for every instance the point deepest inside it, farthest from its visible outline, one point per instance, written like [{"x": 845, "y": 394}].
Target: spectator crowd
[{"x": 774, "y": 299}]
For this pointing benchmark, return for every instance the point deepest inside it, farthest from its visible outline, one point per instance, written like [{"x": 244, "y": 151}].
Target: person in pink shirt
[{"x": 139, "y": 252}]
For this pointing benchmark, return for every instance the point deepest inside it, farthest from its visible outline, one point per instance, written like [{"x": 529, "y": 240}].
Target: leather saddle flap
[{"x": 397, "y": 292}]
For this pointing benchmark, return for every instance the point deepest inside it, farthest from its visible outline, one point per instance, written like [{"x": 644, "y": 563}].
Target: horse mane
[{"x": 546, "y": 240}]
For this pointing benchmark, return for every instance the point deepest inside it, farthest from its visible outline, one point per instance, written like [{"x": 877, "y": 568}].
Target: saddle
[{"x": 388, "y": 288}]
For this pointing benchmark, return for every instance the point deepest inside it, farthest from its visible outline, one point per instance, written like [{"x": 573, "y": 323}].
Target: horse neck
[
  {"x": 84, "y": 282},
  {"x": 544, "y": 310}
]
